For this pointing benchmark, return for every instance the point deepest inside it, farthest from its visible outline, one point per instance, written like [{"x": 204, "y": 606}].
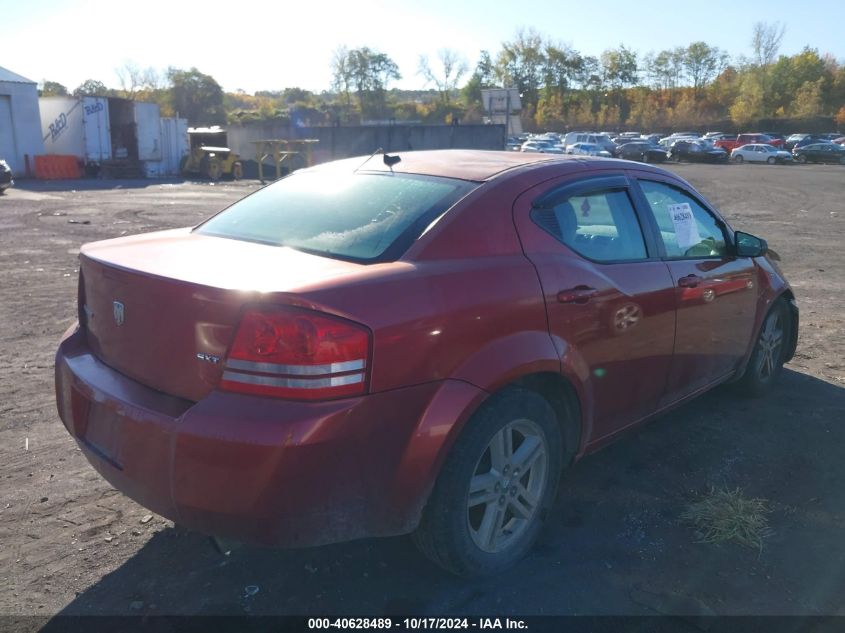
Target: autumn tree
[
  {"x": 51, "y": 89},
  {"x": 196, "y": 96},
  {"x": 520, "y": 65},
  {"x": 451, "y": 67},
  {"x": 133, "y": 79},
  {"x": 765, "y": 42},
  {"x": 368, "y": 73},
  {"x": 702, "y": 63},
  {"x": 342, "y": 75},
  {"x": 91, "y": 88},
  {"x": 482, "y": 77}
]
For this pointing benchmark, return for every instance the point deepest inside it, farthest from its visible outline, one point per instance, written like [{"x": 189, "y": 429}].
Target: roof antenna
[{"x": 367, "y": 159}]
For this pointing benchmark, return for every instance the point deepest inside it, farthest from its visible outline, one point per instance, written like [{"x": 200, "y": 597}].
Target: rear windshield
[{"x": 359, "y": 217}]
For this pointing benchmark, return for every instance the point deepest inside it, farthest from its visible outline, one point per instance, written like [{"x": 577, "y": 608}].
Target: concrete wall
[
  {"x": 343, "y": 142},
  {"x": 20, "y": 125}
]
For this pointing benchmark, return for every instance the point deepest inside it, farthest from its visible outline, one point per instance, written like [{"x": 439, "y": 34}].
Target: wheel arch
[
  {"x": 788, "y": 296},
  {"x": 558, "y": 390},
  {"x": 561, "y": 394},
  {"x": 792, "y": 305}
]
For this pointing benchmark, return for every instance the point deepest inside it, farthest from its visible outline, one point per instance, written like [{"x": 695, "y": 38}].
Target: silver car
[
  {"x": 588, "y": 149},
  {"x": 760, "y": 153}
]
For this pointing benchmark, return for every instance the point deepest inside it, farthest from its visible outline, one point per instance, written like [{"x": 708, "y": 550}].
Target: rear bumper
[{"x": 257, "y": 469}]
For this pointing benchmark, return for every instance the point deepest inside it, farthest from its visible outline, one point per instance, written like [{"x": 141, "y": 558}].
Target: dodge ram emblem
[{"x": 119, "y": 311}]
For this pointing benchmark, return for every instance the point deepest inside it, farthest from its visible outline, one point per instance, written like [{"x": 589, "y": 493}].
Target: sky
[{"x": 286, "y": 44}]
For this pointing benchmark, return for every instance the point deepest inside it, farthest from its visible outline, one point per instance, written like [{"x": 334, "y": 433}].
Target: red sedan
[{"x": 419, "y": 344}]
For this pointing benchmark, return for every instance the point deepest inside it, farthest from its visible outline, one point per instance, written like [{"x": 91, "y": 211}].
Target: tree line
[{"x": 560, "y": 88}]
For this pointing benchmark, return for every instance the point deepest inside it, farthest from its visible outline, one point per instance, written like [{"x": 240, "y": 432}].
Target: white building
[{"x": 20, "y": 121}]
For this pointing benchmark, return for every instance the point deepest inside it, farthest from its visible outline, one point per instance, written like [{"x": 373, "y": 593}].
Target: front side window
[
  {"x": 601, "y": 226},
  {"x": 361, "y": 217},
  {"x": 687, "y": 229}
]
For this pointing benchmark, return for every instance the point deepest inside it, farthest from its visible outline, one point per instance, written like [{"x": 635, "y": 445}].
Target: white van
[{"x": 593, "y": 138}]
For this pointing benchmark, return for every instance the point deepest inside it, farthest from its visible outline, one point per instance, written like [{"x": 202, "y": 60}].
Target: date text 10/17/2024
[{"x": 415, "y": 624}]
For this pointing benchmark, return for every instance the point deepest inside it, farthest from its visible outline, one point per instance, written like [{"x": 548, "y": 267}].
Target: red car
[{"x": 416, "y": 344}]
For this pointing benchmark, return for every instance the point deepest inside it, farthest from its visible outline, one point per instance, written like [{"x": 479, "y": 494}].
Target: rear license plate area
[{"x": 104, "y": 434}]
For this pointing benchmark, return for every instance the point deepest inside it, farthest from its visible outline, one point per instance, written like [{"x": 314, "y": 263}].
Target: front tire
[
  {"x": 771, "y": 160},
  {"x": 766, "y": 362},
  {"x": 802, "y": 159},
  {"x": 738, "y": 158},
  {"x": 496, "y": 486}
]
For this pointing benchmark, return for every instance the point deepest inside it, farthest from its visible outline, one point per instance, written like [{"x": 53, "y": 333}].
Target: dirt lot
[{"x": 615, "y": 544}]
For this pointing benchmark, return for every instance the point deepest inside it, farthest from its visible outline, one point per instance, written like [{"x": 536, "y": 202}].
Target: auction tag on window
[{"x": 686, "y": 230}]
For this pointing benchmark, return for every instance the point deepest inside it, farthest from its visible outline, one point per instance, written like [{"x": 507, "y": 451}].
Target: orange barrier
[{"x": 57, "y": 167}]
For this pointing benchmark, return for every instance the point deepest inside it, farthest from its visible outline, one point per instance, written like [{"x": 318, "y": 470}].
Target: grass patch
[{"x": 723, "y": 515}]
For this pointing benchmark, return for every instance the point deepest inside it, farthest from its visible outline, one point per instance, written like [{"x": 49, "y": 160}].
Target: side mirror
[{"x": 748, "y": 245}]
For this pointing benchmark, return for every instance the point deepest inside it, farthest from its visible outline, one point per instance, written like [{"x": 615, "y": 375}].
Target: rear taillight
[{"x": 297, "y": 354}]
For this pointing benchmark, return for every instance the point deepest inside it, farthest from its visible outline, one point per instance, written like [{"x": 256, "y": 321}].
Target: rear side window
[
  {"x": 687, "y": 229},
  {"x": 601, "y": 226},
  {"x": 360, "y": 217}
]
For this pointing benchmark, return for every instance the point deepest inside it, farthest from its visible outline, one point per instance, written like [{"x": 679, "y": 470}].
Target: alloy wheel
[
  {"x": 507, "y": 485},
  {"x": 770, "y": 345}
]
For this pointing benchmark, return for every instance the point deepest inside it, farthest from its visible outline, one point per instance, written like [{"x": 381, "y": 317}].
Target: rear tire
[
  {"x": 496, "y": 486},
  {"x": 767, "y": 358}
]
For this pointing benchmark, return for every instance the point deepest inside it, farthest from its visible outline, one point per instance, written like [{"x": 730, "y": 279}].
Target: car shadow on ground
[{"x": 614, "y": 543}]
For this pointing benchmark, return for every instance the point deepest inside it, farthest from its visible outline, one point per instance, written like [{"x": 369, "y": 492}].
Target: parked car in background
[
  {"x": 696, "y": 152},
  {"x": 729, "y": 144},
  {"x": 302, "y": 387},
  {"x": 800, "y": 140},
  {"x": 588, "y": 149},
  {"x": 717, "y": 136},
  {"x": 775, "y": 135},
  {"x": 593, "y": 138},
  {"x": 840, "y": 140},
  {"x": 5, "y": 176},
  {"x": 820, "y": 153},
  {"x": 543, "y": 147},
  {"x": 760, "y": 153},
  {"x": 641, "y": 151},
  {"x": 667, "y": 141},
  {"x": 513, "y": 143}
]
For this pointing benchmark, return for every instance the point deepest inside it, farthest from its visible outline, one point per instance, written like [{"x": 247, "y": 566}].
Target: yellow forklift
[{"x": 209, "y": 156}]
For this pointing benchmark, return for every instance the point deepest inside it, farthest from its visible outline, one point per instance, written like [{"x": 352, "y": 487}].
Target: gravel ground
[{"x": 70, "y": 544}]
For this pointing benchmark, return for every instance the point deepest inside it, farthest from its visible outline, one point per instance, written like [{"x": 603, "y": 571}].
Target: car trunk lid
[{"x": 162, "y": 308}]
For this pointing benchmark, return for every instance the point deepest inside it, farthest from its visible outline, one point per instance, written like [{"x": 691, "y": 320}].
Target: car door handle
[
  {"x": 690, "y": 281},
  {"x": 578, "y": 294}
]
